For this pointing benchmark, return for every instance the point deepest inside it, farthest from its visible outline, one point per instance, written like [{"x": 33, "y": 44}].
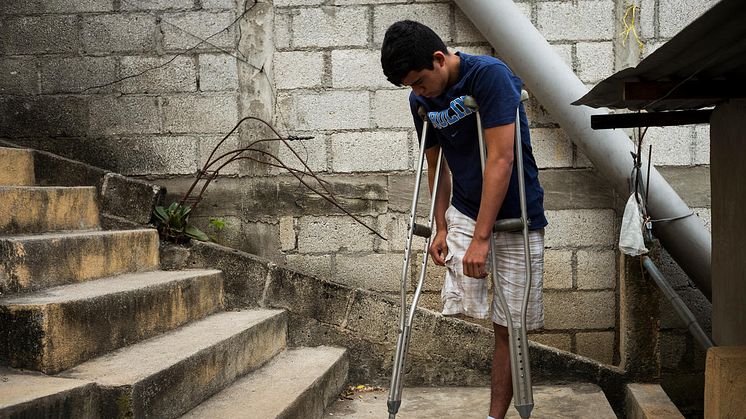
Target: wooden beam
[
  {"x": 650, "y": 119},
  {"x": 689, "y": 90}
]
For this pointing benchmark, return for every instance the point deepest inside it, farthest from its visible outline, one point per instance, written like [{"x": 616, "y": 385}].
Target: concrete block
[
  {"x": 557, "y": 269},
  {"x": 395, "y": 226},
  {"x": 218, "y": 72},
  {"x": 649, "y": 401},
  {"x": 596, "y": 345},
  {"x": 39, "y": 35},
  {"x": 380, "y": 271},
  {"x": 672, "y": 146},
  {"x": 289, "y": 3},
  {"x": 577, "y": 20},
  {"x": 74, "y": 75},
  {"x": 317, "y": 266},
  {"x": 573, "y": 228},
  {"x": 129, "y": 198},
  {"x": 119, "y": 33},
  {"x": 205, "y": 145},
  {"x": 702, "y": 144},
  {"x": 333, "y": 234},
  {"x": 370, "y": 151},
  {"x": 724, "y": 382},
  {"x": 391, "y": 109},
  {"x": 158, "y": 76},
  {"x": 30, "y": 260},
  {"x": 352, "y": 2},
  {"x": 330, "y": 26},
  {"x": 18, "y": 76},
  {"x": 218, "y": 4},
  {"x": 560, "y": 341},
  {"x": 311, "y": 152},
  {"x": 200, "y": 113},
  {"x": 436, "y": 16},
  {"x": 17, "y": 167},
  {"x": 154, "y": 155},
  {"x": 646, "y": 17},
  {"x": 287, "y": 234},
  {"x": 80, "y": 321},
  {"x": 298, "y": 69},
  {"x": 37, "y": 210},
  {"x": 77, "y": 6},
  {"x": 565, "y": 52},
  {"x": 330, "y": 110},
  {"x": 692, "y": 183},
  {"x": 57, "y": 116},
  {"x": 158, "y": 5},
  {"x": 551, "y": 148},
  {"x": 39, "y": 395},
  {"x": 578, "y": 310},
  {"x": 198, "y": 26},
  {"x": 357, "y": 68},
  {"x": 571, "y": 189},
  {"x": 673, "y": 349},
  {"x": 675, "y": 15},
  {"x": 477, "y": 50},
  {"x": 596, "y": 269},
  {"x": 595, "y": 60},
  {"x": 537, "y": 115},
  {"x": 282, "y": 30},
  {"x": 465, "y": 30},
  {"x": 186, "y": 365},
  {"x": 124, "y": 115}
]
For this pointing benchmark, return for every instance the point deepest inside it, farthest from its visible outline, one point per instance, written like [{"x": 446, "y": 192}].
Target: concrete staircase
[{"x": 90, "y": 327}]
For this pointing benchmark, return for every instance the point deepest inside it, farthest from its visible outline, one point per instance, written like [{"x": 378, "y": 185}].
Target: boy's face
[{"x": 429, "y": 83}]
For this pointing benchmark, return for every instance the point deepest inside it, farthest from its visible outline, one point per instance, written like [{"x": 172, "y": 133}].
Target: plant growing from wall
[{"x": 173, "y": 221}]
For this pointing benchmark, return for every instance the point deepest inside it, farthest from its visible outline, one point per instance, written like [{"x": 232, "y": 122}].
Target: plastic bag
[{"x": 631, "y": 241}]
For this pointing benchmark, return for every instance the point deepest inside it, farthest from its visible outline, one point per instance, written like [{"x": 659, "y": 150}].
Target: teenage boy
[{"x": 415, "y": 56}]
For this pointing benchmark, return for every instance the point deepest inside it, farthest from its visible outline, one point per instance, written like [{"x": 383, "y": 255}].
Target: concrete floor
[{"x": 564, "y": 401}]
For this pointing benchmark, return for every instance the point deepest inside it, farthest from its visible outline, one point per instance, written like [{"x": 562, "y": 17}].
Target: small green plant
[{"x": 173, "y": 224}]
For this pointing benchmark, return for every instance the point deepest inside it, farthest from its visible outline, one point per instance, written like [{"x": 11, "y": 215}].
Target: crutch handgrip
[
  {"x": 422, "y": 230},
  {"x": 508, "y": 224}
]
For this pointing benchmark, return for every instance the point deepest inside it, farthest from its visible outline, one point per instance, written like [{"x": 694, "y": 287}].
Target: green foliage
[
  {"x": 173, "y": 224},
  {"x": 218, "y": 223}
]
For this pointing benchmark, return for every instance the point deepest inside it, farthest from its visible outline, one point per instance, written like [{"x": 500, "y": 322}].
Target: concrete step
[
  {"x": 58, "y": 328},
  {"x": 26, "y": 209},
  {"x": 16, "y": 166},
  {"x": 34, "y": 395},
  {"x": 168, "y": 375},
  {"x": 568, "y": 401},
  {"x": 298, "y": 383},
  {"x": 34, "y": 262}
]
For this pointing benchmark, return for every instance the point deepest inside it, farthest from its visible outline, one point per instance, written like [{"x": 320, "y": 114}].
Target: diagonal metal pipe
[{"x": 555, "y": 85}]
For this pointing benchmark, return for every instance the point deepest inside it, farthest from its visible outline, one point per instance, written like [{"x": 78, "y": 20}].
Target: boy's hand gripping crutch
[
  {"x": 405, "y": 323},
  {"x": 523, "y": 397}
]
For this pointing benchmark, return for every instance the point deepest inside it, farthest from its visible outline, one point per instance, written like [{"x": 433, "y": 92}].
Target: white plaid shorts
[{"x": 463, "y": 294}]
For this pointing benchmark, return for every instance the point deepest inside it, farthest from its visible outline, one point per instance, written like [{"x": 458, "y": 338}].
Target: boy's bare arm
[
  {"x": 499, "y": 143},
  {"x": 438, "y": 247}
]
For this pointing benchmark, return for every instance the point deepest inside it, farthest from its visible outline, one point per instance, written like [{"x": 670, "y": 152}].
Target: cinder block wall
[{"x": 312, "y": 68}]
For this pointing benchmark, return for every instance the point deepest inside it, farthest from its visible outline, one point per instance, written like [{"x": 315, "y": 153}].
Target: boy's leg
[
  {"x": 511, "y": 272},
  {"x": 501, "y": 390}
]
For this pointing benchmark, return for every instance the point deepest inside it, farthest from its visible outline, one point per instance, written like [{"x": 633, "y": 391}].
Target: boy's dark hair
[{"x": 408, "y": 46}]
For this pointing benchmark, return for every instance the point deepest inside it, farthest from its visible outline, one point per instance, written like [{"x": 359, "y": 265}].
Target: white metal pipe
[{"x": 555, "y": 85}]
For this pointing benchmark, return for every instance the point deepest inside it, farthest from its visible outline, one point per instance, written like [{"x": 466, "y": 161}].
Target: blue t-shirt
[{"x": 497, "y": 91}]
